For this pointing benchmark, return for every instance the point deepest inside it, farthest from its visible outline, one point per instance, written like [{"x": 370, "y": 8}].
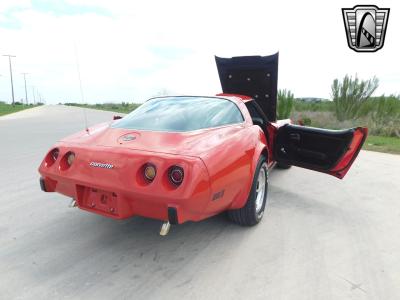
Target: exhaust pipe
[
  {"x": 73, "y": 203},
  {"x": 165, "y": 227}
]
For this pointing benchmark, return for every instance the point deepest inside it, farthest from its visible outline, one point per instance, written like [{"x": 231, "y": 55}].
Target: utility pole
[
  {"x": 26, "y": 93},
  {"x": 12, "y": 84}
]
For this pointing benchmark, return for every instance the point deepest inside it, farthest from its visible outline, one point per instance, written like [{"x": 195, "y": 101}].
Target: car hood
[
  {"x": 253, "y": 76},
  {"x": 193, "y": 143}
]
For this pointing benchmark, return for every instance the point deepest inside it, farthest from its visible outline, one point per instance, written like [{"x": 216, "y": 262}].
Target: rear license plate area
[{"x": 100, "y": 200}]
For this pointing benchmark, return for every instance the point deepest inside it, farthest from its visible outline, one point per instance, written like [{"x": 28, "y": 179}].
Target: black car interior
[
  {"x": 310, "y": 147},
  {"x": 257, "y": 116}
]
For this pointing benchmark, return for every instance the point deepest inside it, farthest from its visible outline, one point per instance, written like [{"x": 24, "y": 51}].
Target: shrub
[
  {"x": 306, "y": 121},
  {"x": 350, "y": 94},
  {"x": 384, "y": 115},
  {"x": 285, "y": 104},
  {"x": 301, "y": 105}
]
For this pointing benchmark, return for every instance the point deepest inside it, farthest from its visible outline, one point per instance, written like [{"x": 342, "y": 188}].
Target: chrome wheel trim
[{"x": 261, "y": 189}]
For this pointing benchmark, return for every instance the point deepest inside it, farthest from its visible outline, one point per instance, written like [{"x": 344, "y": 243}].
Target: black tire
[
  {"x": 249, "y": 215},
  {"x": 283, "y": 166}
]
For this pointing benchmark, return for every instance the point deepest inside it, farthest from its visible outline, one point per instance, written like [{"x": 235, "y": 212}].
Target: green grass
[
  {"x": 117, "y": 107},
  {"x": 382, "y": 144},
  {"x": 6, "y": 109}
]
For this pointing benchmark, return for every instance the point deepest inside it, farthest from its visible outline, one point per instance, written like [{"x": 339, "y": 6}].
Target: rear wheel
[{"x": 253, "y": 211}]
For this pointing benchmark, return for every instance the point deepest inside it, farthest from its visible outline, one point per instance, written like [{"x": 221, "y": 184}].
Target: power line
[
  {"x": 34, "y": 97},
  {"x": 12, "y": 84}
]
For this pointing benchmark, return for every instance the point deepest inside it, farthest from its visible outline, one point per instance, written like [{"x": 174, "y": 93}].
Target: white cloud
[{"x": 143, "y": 47}]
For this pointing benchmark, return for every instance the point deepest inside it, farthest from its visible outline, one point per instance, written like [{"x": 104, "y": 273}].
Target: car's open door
[{"x": 327, "y": 151}]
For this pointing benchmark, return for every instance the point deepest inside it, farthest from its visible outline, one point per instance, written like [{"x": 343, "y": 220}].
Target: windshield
[{"x": 181, "y": 114}]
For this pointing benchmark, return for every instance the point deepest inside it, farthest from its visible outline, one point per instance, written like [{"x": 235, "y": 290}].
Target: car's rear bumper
[
  {"x": 121, "y": 192},
  {"x": 42, "y": 184},
  {"x": 121, "y": 205}
]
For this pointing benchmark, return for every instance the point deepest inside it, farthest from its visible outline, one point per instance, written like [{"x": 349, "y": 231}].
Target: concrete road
[{"x": 321, "y": 238}]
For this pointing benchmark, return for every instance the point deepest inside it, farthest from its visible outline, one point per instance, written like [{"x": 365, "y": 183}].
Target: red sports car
[{"x": 186, "y": 158}]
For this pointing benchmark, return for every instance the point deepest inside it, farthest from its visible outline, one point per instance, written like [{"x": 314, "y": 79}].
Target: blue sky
[
  {"x": 132, "y": 50},
  {"x": 62, "y": 8},
  {"x": 56, "y": 8}
]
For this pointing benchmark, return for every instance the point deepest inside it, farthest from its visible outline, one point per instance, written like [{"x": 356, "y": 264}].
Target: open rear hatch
[{"x": 254, "y": 76}]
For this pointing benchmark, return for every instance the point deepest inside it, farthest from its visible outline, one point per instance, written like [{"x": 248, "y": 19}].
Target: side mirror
[{"x": 117, "y": 118}]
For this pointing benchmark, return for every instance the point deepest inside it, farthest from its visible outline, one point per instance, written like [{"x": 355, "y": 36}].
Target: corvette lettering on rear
[{"x": 101, "y": 165}]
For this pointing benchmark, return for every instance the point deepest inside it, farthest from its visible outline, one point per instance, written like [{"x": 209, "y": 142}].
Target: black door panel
[{"x": 312, "y": 148}]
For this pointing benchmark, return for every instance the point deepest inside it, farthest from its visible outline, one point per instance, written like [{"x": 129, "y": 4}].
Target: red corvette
[{"x": 187, "y": 158}]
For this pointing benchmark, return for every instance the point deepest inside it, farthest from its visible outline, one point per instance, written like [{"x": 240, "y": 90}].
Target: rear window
[{"x": 181, "y": 114}]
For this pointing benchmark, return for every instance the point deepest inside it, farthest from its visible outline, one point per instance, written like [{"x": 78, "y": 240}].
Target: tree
[{"x": 285, "y": 104}]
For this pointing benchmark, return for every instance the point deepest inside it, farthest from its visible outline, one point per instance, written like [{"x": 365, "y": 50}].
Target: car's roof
[
  {"x": 235, "y": 97},
  {"x": 232, "y": 97}
]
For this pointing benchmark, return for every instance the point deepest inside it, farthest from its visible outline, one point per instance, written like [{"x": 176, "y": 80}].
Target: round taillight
[
  {"x": 70, "y": 158},
  {"x": 150, "y": 172},
  {"x": 54, "y": 154},
  {"x": 176, "y": 175},
  {"x": 51, "y": 157}
]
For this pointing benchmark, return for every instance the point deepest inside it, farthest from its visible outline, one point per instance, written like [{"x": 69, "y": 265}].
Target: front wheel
[{"x": 253, "y": 211}]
